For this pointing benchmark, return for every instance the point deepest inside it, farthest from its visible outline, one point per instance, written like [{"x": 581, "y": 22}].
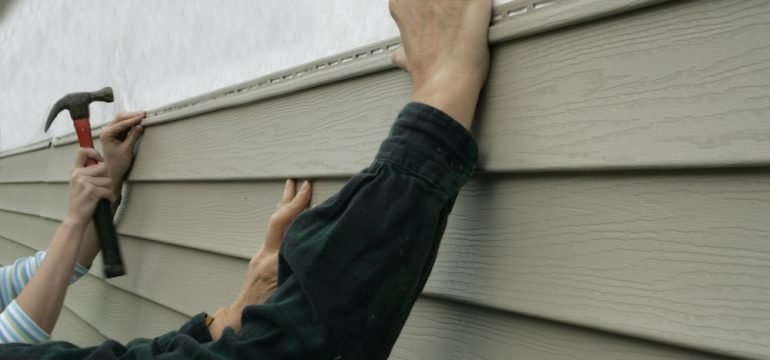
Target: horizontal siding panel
[
  {"x": 24, "y": 167},
  {"x": 675, "y": 257},
  {"x": 119, "y": 314},
  {"x": 111, "y": 311},
  {"x": 32, "y": 231},
  {"x": 72, "y": 328},
  {"x": 202, "y": 282},
  {"x": 443, "y": 330},
  {"x": 223, "y": 217},
  {"x": 328, "y": 130},
  {"x": 631, "y": 92},
  {"x": 680, "y": 85},
  {"x": 25, "y": 198},
  {"x": 679, "y": 257}
]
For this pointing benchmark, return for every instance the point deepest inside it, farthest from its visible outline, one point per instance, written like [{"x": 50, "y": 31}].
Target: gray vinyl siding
[{"x": 619, "y": 211}]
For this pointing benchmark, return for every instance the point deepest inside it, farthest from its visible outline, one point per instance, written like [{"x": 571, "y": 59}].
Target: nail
[{"x": 305, "y": 185}]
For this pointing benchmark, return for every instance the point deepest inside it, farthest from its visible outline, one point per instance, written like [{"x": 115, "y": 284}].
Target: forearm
[
  {"x": 43, "y": 296},
  {"x": 89, "y": 246}
]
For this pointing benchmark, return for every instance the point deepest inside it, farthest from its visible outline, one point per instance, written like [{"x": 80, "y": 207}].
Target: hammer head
[{"x": 77, "y": 104}]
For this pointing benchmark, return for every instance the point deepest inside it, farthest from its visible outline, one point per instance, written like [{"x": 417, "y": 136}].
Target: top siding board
[
  {"x": 640, "y": 91},
  {"x": 24, "y": 167}
]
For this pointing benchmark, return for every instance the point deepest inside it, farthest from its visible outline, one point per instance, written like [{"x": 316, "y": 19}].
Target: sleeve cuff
[
  {"x": 429, "y": 143},
  {"x": 78, "y": 273},
  {"x": 17, "y": 326},
  {"x": 197, "y": 329}
]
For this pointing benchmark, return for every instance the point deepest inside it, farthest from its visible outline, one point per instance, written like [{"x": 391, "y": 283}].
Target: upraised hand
[
  {"x": 445, "y": 51},
  {"x": 118, "y": 140},
  {"x": 262, "y": 275}
]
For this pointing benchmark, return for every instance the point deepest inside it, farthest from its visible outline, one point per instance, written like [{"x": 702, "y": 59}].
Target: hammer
[{"x": 77, "y": 104}]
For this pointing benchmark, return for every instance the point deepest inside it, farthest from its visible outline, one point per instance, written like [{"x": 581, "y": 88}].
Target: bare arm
[{"x": 43, "y": 296}]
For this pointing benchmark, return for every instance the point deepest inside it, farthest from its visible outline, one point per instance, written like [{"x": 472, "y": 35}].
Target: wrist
[
  {"x": 457, "y": 97},
  {"x": 74, "y": 222}
]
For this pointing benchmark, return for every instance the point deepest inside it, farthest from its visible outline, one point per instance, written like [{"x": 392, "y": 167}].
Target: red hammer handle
[
  {"x": 105, "y": 229},
  {"x": 83, "y": 129}
]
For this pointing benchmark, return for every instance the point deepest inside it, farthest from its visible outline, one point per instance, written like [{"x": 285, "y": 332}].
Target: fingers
[
  {"x": 302, "y": 200},
  {"x": 291, "y": 207},
  {"x": 292, "y": 204},
  {"x": 84, "y": 154},
  {"x": 124, "y": 116},
  {"x": 399, "y": 59},
  {"x": 122, "y": 123},
  {"x": 289, "y": 190},
  {"x": 105, "y": 193},
  {"x": 98, "y": 170}
]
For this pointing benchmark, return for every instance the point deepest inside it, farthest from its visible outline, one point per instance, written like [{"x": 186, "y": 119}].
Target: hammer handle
[{"x": 105, "y": 229}]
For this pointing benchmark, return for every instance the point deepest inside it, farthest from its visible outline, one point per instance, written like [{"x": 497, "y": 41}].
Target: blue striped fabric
[{"x": 15, "y": 325}]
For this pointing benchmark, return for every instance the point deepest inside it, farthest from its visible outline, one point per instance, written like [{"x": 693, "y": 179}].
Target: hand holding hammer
[{"x": 77, "y": 104}]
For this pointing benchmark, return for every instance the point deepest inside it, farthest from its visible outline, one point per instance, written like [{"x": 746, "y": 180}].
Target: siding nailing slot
[
  {"x": 543, "y": 4},
  {"x": 518, "y": 11}
]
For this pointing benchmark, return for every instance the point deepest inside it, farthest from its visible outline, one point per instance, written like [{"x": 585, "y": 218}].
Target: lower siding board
[
  {"x": 444, "y": 330},
  {"x": 187, "y": 280},
  {"x": 31, "y": 230},
  {"x": 72, "y": 328},
  {"x": 679, "y": 257},
  {"x": 435, "y": 330}
]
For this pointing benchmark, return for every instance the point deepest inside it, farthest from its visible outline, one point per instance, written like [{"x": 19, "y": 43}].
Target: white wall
[{"x": 153, "y": 53}]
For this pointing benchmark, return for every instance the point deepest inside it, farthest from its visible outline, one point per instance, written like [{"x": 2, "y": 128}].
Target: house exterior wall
[{"x": 619, "y": 210}]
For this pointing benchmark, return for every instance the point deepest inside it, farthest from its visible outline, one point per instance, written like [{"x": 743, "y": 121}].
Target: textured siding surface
[{"x": 620, "y": 209}]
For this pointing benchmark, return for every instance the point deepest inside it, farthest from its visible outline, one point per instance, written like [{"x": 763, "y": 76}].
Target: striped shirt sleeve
[
  {"x": 13, "y": 278},
  {"x": 17, "y": 327}
]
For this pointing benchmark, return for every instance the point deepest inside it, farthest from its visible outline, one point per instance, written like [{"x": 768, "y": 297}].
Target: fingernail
[
  {"x": 288, "y": 183},
  {"x": 305, "y": 185}
]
